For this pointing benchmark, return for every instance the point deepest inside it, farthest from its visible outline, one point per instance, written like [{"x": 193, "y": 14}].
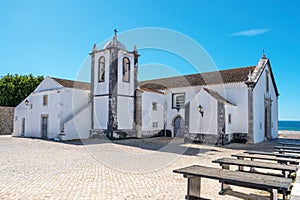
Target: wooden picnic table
[
  {"x": 273, "y": 154},
  {"x": 194, "y": 173},
  {"x": 288, "y": 151},
  {"x": 285, "y": 169},
  {"x": 286, "y": 161},
  {"x": 287, "y": 147},
  {"x": 289, "y": 143}
]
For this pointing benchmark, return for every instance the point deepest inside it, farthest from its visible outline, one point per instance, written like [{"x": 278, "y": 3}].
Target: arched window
[
  {"x": 126, "y": 69},
  {"x": 101, "y": 70}
]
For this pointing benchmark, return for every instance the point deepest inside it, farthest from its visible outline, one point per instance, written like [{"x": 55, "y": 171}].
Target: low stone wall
[{"x": 6, "y": 120}]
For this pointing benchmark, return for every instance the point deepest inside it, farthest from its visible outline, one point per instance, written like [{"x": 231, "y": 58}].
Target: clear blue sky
[{"x": 54, "y": 37}]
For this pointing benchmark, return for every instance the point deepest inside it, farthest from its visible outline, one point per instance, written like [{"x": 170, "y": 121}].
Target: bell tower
[{"x": 113, "y": 85}]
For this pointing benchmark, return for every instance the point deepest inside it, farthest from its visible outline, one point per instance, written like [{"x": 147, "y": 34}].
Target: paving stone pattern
[{"x": 100, "y": 169}]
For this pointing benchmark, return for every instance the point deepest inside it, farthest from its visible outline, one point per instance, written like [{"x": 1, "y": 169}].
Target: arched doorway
[{"x": 178, "y": 127}]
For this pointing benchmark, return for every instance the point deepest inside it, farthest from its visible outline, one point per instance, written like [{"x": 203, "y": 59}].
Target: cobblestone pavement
[{"x": 100, "y": 169}]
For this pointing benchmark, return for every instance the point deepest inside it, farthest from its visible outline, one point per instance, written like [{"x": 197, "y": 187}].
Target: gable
[
  {"x": 260, "y": 68},
  {"x": 48, "y": 84}
]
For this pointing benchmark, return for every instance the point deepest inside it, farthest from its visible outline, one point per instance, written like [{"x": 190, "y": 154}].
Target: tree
[{"x": 15, "y": 88}]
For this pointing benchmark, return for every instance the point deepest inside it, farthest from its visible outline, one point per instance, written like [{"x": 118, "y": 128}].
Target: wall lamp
[
  {"x": 200, "y": 109},
  {"x": 27, "y": 103}
]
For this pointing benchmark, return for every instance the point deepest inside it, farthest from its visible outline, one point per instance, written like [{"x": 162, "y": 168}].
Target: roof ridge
[{"x": 223, "y": 70}]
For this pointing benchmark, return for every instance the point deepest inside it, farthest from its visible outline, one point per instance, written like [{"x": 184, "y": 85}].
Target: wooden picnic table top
[
  {"x": 288, "y": 151},
  {"x": 256, "y": 164},
  {"x": 287, "y": 147},
  {"x": 289, "y": 143},
  {"x": 274, "y": 154},
  {"x": 266, "y": 157},
  {"x": 245, "y": 179}
]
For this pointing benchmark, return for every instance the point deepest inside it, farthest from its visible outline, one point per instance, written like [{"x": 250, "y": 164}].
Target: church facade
[{"x": 214, "y": 107}]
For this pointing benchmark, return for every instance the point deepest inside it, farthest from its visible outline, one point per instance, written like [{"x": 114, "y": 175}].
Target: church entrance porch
[{"x": 178, "y": 127}]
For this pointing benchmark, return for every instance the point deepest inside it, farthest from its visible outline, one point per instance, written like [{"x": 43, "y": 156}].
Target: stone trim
[
  {"x": 250, "y": 114},
  {"x": 92, "y": 90},
  {"x": 112, "y": 124}
]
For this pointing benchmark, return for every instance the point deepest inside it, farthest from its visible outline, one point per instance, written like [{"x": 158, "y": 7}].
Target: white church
[{"x": 213, "y": 107}]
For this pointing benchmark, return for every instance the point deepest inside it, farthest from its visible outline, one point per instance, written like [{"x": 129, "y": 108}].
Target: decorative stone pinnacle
[
  {"x": 95, "y": 48},
  {"x": 263, "y": 55}
]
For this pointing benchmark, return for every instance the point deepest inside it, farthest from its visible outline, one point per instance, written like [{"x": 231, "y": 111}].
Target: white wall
[
  {"x": 79, "y": 126},
  {"x": 100, "y": 112},
  {"x": 230, "y": 127},
  {"x": 33, "y": 124},
  {"x": 72, "y": 101},
  {"x": 209, "y": 121},
  {"x": 63, "y": 103},
  {"x": 235, "y": 93},
  {"x": 259, "y": 94},
  {"x": 149, "y": 115},
  {"x": 125, "y": 111}
]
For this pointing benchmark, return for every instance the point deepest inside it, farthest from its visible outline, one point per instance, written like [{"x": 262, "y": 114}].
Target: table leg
[
  {"x": 273, "y": 194},
  {"x": 225, "y": 166},
  {"x": 224, "y": 188},
  {"x": 285, "y": 174},
  {"x": 194, "y": 187}
]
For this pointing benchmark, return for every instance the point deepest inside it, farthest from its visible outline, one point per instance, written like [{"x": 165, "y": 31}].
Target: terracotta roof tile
[
  {"x": 201, "y": 79},
  {"x": 73, "y": 84}
]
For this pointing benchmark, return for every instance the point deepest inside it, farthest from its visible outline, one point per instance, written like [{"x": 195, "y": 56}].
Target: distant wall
[{"x": 6, "y": 120}]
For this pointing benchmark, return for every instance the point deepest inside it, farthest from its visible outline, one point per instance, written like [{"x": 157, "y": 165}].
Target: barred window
[{"x": 178, "y": 100}]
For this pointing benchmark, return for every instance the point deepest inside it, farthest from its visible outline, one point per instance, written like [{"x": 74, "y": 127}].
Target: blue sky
[{"x": 53, "y": 38}]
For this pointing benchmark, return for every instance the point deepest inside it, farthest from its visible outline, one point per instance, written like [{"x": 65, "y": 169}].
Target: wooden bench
[
  {"x": 287, "y": 151},
  {"x": 273, "y": 154},
  {"x": 287, "y": 147},
  {"x": 273, "y": 185},
  {"x": 281, "y": 160},
  {"x": 289, "y": 143},
  {"x": 285, "y": 169}
]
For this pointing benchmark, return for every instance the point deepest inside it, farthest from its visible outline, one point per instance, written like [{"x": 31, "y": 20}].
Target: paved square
[{"x": 99, "y": 169}]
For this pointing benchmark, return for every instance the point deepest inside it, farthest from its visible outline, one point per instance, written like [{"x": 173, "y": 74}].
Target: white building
[
  {"x": 53, "y": 110},
  {"x": 209, "y": 107}
]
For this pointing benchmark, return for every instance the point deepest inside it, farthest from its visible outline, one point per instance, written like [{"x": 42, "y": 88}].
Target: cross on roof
[{"x": 115, "y": 30}]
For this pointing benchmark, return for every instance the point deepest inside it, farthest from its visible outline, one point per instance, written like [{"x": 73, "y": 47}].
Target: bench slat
[
  {"x": 274, "y": 154},
  {"x": 256, "y": 164},
  {"x": 263, "y": 182},
  {"x": 287, "y": 147},
  {"x": 289, "y": 143},
  {"x": 288, "y": 151},
  {"x": 265, "y": 157}
]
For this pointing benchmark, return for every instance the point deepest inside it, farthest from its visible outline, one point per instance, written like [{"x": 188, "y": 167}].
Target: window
[
  {"x": 155, "y": 124},
  {"x": 45, "y": 100},
  {"x": 101, "y": 70},
  {"x": 126, "y": 69},
  {"x": 229, "y": 118},
  {"x": 154, "y": 106},
  {"x": 178, "y": 100}
]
